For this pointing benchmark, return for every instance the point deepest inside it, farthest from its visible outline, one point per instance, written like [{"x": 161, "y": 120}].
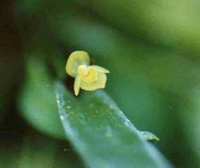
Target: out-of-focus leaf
[
  {"x": 37, "y": 151},
  {"x": 37, "y": 99},
  {"x": 42, "y": 152},
  {"x": 162, "y": 22},
  {"x": 102, "y": 134},
  {"x": 190, "y": 119},
  {"x": 107, "y": 46}
]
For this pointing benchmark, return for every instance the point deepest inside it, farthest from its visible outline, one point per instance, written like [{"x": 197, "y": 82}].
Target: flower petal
[
  {"x": 77, "y": 85},
  {"x": 100, "y": 69},
  {"x": 75, "y": 59},
  {"x": 98, "y": 84}
]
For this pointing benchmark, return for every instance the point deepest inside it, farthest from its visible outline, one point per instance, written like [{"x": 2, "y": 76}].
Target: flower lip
[
  {"x": 82, "y": 69},
  {"x": 90, "y": 76}
]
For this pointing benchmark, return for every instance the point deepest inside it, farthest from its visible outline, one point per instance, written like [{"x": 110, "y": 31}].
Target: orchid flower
[{"x": 87, "y": 77}]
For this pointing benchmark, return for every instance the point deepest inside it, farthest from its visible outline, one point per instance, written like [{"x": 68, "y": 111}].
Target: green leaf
[
  {"x": 190, "y": 121},
  {"x": 102, "y": 134},
  {"x": 43, "y": 152},
  {"x": 161, "y": 22},
  {"x": 37, "y": 99}
]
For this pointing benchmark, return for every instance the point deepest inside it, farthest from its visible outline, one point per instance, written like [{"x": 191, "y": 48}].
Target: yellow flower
[{"x": 87, "y": 77}]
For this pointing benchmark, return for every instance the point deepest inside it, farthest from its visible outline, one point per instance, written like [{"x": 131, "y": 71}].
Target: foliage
[{"x": 152, "y": 51}]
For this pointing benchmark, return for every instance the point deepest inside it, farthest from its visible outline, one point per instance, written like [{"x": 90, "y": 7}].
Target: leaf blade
[{"x": 102, "y": 134}]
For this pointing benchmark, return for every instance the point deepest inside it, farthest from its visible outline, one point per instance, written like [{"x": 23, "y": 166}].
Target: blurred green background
[{"x": 152, "y": 49}]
